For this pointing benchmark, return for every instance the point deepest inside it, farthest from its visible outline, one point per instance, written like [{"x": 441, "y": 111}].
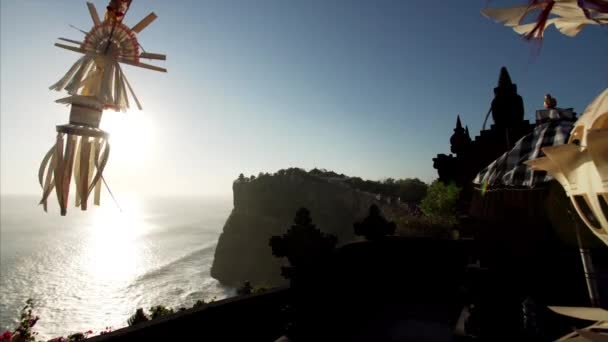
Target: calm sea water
[{"x": 92, "y": 269}]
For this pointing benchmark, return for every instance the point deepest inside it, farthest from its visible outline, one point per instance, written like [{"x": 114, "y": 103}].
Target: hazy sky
[{"x": 366, "y": 88}]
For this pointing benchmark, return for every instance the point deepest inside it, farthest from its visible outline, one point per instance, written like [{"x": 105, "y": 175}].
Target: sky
[{"x": 366, "y": 88}]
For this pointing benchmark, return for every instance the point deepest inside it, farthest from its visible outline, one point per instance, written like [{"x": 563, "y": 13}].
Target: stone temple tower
[
  {"x": 507, "y": 106},
  {"x": 461, "y": 139},
  {"x": 470, "y": 156}
]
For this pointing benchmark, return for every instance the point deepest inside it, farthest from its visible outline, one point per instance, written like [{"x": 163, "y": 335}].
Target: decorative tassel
[
  {"x": 83, "y": 157},
  {"x": 97, "y": 197},
  {"x": 84, "y": 172},
  {"x": 76, "y": 82},
  {"x": 595, "y": 5},
  {"x": 66, "y": 178},
  {"x": 60, "y": 85},
  {"x": 541, "y": 22},
  {"x": 77, "y": 163},
  {"x": 130, "y": 89}
]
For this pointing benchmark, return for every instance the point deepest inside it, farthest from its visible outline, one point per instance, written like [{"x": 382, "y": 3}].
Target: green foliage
[
  {"x": 440, "y": 202},
  {"x": 410, "y": 190},
  {"x": 24, "y": 332},
  {"x": 159, "y": 311},
  {"x": 155, "y": 312}
]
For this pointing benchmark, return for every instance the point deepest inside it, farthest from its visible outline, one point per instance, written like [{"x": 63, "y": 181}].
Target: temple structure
[{"x": 470, "y": 156}]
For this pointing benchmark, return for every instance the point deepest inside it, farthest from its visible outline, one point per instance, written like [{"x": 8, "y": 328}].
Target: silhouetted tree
[
  {"x": 303, "y": 244},
  {"x": 411, "y": 190},
  {"x": 241, "y": 178},
  {"x": 389, "y": 181},
  {"x": 374, "y": 226},
  {"x": 245, "y": 289},
  {"x": 138, "y": 317}
]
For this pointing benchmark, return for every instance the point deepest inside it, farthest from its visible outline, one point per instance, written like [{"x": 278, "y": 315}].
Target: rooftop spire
[
  {"x": 504, "y": 80},
  {"x": 458, "y": 123},
  {"x": 460, "y": 139}
]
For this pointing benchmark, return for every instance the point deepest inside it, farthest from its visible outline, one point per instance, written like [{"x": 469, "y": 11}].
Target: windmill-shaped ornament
[{"x": 95, "y": 83}]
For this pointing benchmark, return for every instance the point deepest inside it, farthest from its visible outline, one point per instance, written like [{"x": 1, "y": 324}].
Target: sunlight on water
[
  {"x": 112, "y": 250},
  {"x": 92, "y": 269}
]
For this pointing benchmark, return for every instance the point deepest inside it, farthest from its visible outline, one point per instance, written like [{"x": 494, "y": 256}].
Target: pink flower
[
  {"x": 89, "y": 332},
  {"x": 6, "y": 336}
]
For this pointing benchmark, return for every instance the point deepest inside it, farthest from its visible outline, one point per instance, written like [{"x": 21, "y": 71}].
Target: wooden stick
[
  {"x": 149, "y": 55},
  {"x": 97, "y": 195},
  {"x": 59, "y": 169},
  {"x": 67, "y": 173},
  {"x": 77, "y": 163},
  {"x": 71, "y": 48},
  {"x": 94, "y": 14},
  {"x": 140, "y": 26},
  {"x": 70, "y": 41},
  {"x": 142, "y": 65},
  {"x": 92, "y": 158},
  {"x": 588, "y": 268},
  {"x": 85, "y": 155}
]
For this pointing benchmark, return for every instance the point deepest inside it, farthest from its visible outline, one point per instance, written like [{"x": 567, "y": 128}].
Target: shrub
[
  {"x": 159, "y": 311},
  {"x": 440, "y": 202}
]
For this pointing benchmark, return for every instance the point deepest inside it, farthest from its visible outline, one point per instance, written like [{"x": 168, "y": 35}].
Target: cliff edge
[{"x": 265, "y": 206}]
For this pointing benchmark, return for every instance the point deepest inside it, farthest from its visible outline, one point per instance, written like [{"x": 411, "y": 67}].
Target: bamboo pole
[{"x": 587, "y": 262}]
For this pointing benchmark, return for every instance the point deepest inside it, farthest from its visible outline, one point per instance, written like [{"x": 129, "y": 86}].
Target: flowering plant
[{"x": 24, "y": 333}]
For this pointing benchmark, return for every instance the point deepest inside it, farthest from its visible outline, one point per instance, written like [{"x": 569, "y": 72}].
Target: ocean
[{"x": 92, "y": 269}]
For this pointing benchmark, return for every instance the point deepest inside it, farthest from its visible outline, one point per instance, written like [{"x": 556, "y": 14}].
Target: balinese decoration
[
  {"x": 595, "y": 332},
  {"x": 510, "y": 169},
  {"x": 581, "y": 166},
  {"x": 568, "y": 16},
  {"x": 95, "y": 83}
]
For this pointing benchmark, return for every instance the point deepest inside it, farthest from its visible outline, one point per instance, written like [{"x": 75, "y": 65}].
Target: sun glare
[
  {"x": 131, "y": 134},
  {"x": 114, "y": 251}
]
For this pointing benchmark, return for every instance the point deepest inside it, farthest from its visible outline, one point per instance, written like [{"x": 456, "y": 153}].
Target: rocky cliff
[{"x": 265, "y": 206}]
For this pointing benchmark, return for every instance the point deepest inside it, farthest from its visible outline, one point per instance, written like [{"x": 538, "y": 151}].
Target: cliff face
[{"x": 266, "y": 206}]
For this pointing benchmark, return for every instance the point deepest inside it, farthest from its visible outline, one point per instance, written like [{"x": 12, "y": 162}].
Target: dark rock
[{"x": 265, "y": 207}]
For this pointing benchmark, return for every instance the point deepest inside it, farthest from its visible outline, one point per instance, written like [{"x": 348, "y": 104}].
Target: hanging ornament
[
  {"x": 568, "y": 16},
  {"x": 94, "y": 83}
]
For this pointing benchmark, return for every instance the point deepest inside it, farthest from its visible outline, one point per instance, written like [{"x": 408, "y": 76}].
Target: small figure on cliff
[{"x": 374, "y": 226}]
